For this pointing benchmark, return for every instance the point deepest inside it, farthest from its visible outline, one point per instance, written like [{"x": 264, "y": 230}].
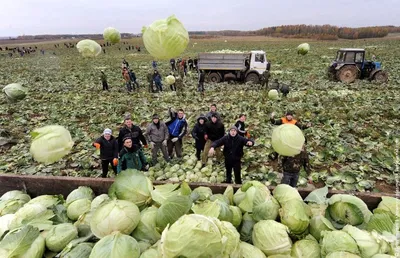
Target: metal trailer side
[{"x": 221, "y": 61}]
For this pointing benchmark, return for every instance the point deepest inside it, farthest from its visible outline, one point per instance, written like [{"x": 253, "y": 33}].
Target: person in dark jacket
[
  {"x": 103, "y": 78},
  {"x": 291, "y": 167},
  {"x": 190, "y": 63},
  {"x": 241, "y": 126},
  {"x": 213, "y": 110},
  {"x": 132, "y": 75},
  {"x": 157, "y": 80},
  {"x": 288, "y": 119},
  {"x": 107, "y": 144},
  {"x": 233, "y": 152},
  {"x": 131, "y": 157},
  {"x": 198, "y": 135},
  {"x": 157, "y": 134},
  {"x": 214, "y": 130},
  {"x": 202, "y": 77},
  {"x": 177, "y": 128},
  {"x": 132, "y": 131},
  {"x": 173, "y": 64}
]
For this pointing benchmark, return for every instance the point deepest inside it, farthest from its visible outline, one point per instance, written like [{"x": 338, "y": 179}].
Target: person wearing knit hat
[
  {"x": 108, "y": 146},
  {"x": 288, "y": 119},
  {"x": 198, "y": 135},
  {"x": 233, "y": 151},
  {"x": 157, "y": 136}
]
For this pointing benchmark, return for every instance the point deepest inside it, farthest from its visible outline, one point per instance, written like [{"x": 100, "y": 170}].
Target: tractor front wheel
[
  {"x": 347, "y": 74},
  {"x": 381, "y": 76}
]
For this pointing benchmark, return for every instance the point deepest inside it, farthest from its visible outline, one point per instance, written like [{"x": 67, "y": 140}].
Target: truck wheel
[
  {"x": 381, "y": 76},
  {"x": 252, "y": 78},
  {"x": 347, "y": 74},
  {"x": 214, "y": 77}
]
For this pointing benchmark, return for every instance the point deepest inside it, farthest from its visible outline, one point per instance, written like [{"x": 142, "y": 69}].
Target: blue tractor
[{"x": 350, "y": 65}]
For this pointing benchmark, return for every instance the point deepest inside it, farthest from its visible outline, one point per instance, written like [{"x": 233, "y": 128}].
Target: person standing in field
[
  {"x": 132, "y": 75},
  {"x": 157, "y": 80},
  {"x": 154, "y": 64},
  {"x": 214, "y": 130},
  {"x": 179, "y": 86},
  {"x": 150, "y": 81},
  {"x": 177, "y": 128},
  {"x": 103, "y": 78},
  {"x": 202, "y": 78},
  {"x": 108, "y": 146},
  {"x": 127, "y": 78},
  {"x": 233, "y": 153},
  {"x": 173, "y": 64},
  {"x": 157, "y": 135},
  {"x": 198, "y": 133},
  {"x": 213, "y": 110},
  {"x": 131, "y": 157},
  {"x": 125, "y": 64},
  {"x": 241, "y": 127},
  {"x": 190, "y": 63},
  {"x": 264, "y": 79},
  {"x": 172, "y": 86},
  {"x": 291, "y": 167},
  {"x": 288, "y": 119},
  {"x": 133, "y": 132}
]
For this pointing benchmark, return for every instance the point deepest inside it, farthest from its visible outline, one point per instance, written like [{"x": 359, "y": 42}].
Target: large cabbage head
[
  {"x": 306, "y": 248},
  {"x": 346, "y": 209},
  {"x": 146, "y": 229},
  {"x": 250, "y": 251},
  {"x": 294, "y": 216},
  {"x": 88, "y": 48},
  {"x": 319, "y": 224},
  {"x": 303, "y": 48},
  {"x": 389, "y": 205},
  {"x": 116, "y": 245},
  {"x": 116, "y": 215},
  {"x": 347, "y": 255},
  {"x": 50, "y": 143},
  {"x": 287, "y": 140},
  {"x": 284, "y": 193},
  {"x": 165, "y": 38},
  {"x": 336, "y": 241},
  {"x": 112, "y": 35},
  {"x": 60, "y": 235},
  {"x": 170, "y": 79},
  {"x": 273, "y": 94},
  {"x": 191, "y": 236},
  {"x": 367, "y": 244},
  {"x": 271, "y": 237},
  {"x": 77, "y": 208},
  {"x": 15, "y": 92},
  {"x": 132, "y": 185},
  {"x": 82, "y": 192},
  {"x": 36, "y": 250}
]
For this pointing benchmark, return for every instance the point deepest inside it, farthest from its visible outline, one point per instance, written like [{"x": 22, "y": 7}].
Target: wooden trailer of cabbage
[{"x": 40, "y": 185}]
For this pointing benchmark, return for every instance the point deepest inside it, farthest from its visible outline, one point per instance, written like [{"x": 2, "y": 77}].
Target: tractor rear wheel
[
  {"x": 381, "y": 76},
  {"x": 252, "y": 77},
  {"x": 347, "y": 74},
  {"x": 214, "y": 77}
]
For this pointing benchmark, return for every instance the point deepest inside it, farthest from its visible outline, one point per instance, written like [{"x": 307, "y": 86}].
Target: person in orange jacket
[
  {"x": 108, "y": 146},
  {"x": 288, "y": 119}
]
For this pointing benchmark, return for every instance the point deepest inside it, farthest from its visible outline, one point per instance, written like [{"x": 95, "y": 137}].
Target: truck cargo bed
[
  {"x": 218, "y": 61},
  {"x": 39, "y": 185}
]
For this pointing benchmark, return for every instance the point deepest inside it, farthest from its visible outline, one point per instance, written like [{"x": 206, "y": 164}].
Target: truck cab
[{"x": 242, "y": 67}]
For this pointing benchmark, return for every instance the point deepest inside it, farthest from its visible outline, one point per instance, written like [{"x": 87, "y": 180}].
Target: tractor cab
[{"x": 350, "y": 64}]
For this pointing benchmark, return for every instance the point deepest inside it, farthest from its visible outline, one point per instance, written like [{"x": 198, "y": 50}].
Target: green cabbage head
[
  {"x": 116, "y": 245},
  {"x": 50, "y": 143},
  {"x": 273, "y": 94},
  {"x": 303, "y": 48},
  {"x": 336, "y": 241},
  {"x": 306, "y": 248},
  {"x": 116, "y": 215},
  {"x": 15, "y": 92},
  {"x": 170, "y": 80},
  {"x": 165, "y": 38},
  {"x": 88, "y": 48},
  {"x": 271, "y": 237},
  {"x": 287, "y": 140},
  {"x": 112, "y": 35},
  {"x": 60, "y": 235}
]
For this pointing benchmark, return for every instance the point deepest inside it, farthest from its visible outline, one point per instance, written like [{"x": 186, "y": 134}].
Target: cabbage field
[
  {"x": 353, "y": 139},
  {"x": 140, "y": 220}
]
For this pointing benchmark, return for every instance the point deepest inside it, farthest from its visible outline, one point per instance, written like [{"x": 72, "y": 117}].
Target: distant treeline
[{"x": 322, "y": 32}]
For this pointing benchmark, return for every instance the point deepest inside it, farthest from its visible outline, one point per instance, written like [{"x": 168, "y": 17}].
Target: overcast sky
[{"x": 32, "y": 17}]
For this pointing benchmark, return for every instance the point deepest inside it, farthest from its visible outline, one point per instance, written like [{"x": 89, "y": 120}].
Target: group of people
[{"x": 126, "y": 151}]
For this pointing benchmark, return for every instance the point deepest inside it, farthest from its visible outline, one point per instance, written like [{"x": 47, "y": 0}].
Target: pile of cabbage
[{"x": 141, "y": 220}]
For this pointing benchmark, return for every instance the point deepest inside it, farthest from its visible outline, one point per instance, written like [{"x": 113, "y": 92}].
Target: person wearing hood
[
  {"x": 233, "y": 152},
  {"x": 177, "y": 128},
  {"x": 107, "y": 144},
  {"x": 157, "y": 135},
  {"x": 132, "y": 131},
  {"x": 131, "y": 157},
  {"x": 288, "y": 119},
  {"x": 198, "y": 135},
  {"x": 214, "y": 130}
]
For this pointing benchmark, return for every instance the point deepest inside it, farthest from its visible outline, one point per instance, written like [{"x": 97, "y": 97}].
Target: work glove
[
  {"x": 164, "y": 143},
  {"x": 206, "y": 137},
  {"x": 152, "y": 145},
  {"x": 115, "y": 162},
  {"x": 249, "y": 143},
  {"x": 97, "y": 145},
  {"x": 211, "y": 152},
  {"x": 174, "y": 139},
  {"x": 146, "y": 167},
  {"x": 247, "y": 135}
]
